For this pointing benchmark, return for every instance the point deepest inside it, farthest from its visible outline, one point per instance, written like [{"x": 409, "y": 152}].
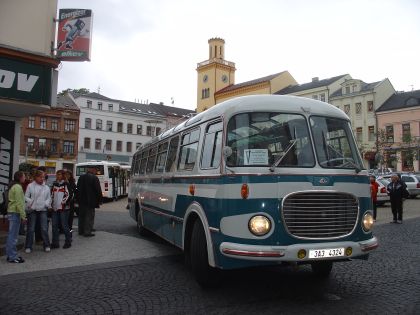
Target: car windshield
[
  {"x": 269, "y": 139},
  {"x": 383, "y": 181},
  {"x": 334, "y": 143}
]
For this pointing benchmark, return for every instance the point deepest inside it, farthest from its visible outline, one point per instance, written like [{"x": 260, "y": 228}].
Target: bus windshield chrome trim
[{"x": 320, "y": 191}]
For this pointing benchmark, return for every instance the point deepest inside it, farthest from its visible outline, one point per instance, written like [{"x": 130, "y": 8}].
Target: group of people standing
[{"x": 33, "y": 202}]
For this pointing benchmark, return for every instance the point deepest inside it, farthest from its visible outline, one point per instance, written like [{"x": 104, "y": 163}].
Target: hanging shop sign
[{"x": 7, "y": 141}]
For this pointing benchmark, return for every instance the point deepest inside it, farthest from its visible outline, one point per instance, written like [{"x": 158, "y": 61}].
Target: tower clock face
[
  {"x": 205, "y": 78},
  {"x": 224, "y": 78}
]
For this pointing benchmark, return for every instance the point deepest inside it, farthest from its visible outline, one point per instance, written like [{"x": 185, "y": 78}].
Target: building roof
[
  {"x": 364, "y": 88},
  {"x": 172, "y": 111},
  {"x": 138, "y": 109},
  {"x": 401, "y": 100},
  {"x": 64, "y": 101},
  {"x": 91, "y": 95},
  {"x": 233, "y": 87},
  {"x": 309, "y": 85}
]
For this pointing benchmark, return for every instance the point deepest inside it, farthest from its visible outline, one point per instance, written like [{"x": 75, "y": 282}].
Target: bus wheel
[
  {"x": 322, "y": 268},
  {"x": 140, "y": 228},
  {"x": 205, "y": 275}
]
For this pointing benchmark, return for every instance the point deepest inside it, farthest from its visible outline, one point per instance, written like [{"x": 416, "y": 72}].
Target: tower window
[{"x": 205, "y": 93}]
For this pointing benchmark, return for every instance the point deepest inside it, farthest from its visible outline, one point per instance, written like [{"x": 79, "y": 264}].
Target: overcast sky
[{"x": 149, "y": 49}]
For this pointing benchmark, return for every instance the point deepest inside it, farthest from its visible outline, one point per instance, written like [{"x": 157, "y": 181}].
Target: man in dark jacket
[
  {"x": 89, "y": 197},
  {"x": 397, "y": 191}
]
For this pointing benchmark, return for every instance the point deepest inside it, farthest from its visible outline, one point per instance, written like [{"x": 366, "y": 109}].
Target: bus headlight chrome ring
[
  {"x": 259, "y": 225},
  {"x": 367, "y": 221}
]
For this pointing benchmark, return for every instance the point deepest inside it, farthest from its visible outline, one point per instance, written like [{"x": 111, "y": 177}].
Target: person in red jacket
[{"x": 374, "y": 193}]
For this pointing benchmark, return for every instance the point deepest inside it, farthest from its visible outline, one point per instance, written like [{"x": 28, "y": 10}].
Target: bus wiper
[{"x": 280, "y": 158}]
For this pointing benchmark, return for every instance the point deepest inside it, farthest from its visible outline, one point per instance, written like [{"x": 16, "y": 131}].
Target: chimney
[{"x": 315, "y": 79}]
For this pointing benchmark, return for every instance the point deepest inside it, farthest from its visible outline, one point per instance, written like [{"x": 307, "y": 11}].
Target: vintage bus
[
  {"x": 256, "y": 180},
  {"x": 112, "y": 176}
]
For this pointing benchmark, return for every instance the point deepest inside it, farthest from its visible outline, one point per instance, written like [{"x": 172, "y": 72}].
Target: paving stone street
[{"x": 159, "y": 283}]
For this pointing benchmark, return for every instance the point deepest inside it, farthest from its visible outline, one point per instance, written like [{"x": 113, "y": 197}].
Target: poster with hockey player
[{"x": 74, "y": 34}]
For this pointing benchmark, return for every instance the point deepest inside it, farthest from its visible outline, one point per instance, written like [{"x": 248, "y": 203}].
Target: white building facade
[{"x": 113, "y": 129}]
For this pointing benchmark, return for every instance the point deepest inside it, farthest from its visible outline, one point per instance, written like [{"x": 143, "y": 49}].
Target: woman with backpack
[{"x": 16, "y": 214}]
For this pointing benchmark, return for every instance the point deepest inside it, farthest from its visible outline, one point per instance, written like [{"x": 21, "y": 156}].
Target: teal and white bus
[{"x": 253, "y": 181}]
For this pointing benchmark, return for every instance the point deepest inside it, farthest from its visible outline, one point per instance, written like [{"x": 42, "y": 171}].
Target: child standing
[
  {"x": 15, "y": 213},
  {"x": 61, "y": 210}
]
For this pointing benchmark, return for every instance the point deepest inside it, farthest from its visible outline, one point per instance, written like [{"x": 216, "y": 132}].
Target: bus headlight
[
  {"x": 367, "y": 222},
  {"x": 259, "y": 225}
]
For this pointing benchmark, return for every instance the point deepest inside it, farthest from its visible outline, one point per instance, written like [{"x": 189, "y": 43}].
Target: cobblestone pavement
[{"x": 388, "y": 283}]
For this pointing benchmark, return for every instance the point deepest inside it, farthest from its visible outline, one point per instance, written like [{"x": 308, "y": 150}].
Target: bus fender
[{"x": 196, "y": 208}]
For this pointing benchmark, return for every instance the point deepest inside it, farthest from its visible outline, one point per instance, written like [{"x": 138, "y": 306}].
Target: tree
[{"x": 78, "y": 91}]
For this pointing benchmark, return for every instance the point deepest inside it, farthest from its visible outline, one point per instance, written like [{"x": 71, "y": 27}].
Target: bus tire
[
  {"x": 204, "y": 274},
  {"x": 140, "y": 228},
  {"x": 322, "y": 269}
]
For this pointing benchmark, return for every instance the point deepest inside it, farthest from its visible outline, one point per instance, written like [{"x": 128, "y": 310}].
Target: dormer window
[
  {"x": 412, "y": 101},
  {"x": 347, "y": 89}
]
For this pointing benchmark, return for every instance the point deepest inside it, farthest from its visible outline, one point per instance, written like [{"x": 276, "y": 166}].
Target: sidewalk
[{"x": 102, "y": 248}]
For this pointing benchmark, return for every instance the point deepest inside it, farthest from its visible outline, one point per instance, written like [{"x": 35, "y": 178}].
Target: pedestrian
[
  {"x": 397, "y": 191},
  {"x": 38, "y": 201},
  {"x": 89, "y": 196},
  {"x": 60, "y": 210},
  {"x": 374, "y": 194},
  {"x": 16, "y": 214},
  {"x": 71, "y": 184},
  {"x": 38, "y": 233}
]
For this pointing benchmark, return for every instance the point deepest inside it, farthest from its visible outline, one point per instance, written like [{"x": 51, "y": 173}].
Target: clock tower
[{"x": 213, "y": 74}]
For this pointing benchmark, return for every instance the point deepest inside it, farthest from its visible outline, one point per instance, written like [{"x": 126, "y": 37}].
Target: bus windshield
[
  {"x": 82, "y": 169},
  {"x": 334, "y": 143},
  {"x": 269, "y": 139}
]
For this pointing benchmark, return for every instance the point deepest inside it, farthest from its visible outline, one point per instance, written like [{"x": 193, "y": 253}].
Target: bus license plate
[{"x": 326, "y": 253}]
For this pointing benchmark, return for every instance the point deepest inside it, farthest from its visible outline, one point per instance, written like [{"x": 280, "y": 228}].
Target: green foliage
[{"x": 78, "y": 91}]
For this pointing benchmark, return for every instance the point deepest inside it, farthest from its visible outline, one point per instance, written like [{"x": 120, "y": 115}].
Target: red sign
[{"x": 74, "y": 34}]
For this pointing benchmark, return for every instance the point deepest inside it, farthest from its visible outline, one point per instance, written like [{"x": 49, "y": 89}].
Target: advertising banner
[
  {"x": 7, "y": 142},
  {"x": 74, "y": 34}
]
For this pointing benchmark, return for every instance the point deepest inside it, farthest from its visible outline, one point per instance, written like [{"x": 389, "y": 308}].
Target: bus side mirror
[{"x": 227, "y": 151}]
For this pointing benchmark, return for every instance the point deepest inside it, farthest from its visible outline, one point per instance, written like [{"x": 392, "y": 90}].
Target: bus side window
[
  {"x": 143, "y": 161},
  {"x": 173, "y": 149},
  {"x": 188, "y": 150},
  {"x": 212, "y": 146},
  {"x": 161, "y": 157},
  {"x": 151, "y": 160}
]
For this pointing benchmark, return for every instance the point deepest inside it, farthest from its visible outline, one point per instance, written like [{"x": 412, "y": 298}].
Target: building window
[
  {"x": 31, "y": 122},
  {"x": 108, "y": 145},
  {"x": 129, "y": 128},
  {"x": 98, "y": 144},
  {"x": 53, "y": 145},
  {"x": 88, "y": 123},
  {"x": 54, "y": 124},
  {"x": 358, "y": 108},
  {"x": 371, "y": 133},
  {"x": 99, "y": 105},
  {"x": 120, "y": 127},
  {"x": 158, "y": 131},
  {"x": 110, "y": 107},
  {"x": 139, "y": 129},
  {"x": 347, "y": 89},
  {"x": 370, "y": 106},
  {"x": 89, "y": 104},
  {"x": 68, "y": 147},
  {"x": 359, "y": 134},
  {"x": 138, "y": 145},
  {"x": 150, "y": 131},
  {"x": 43, "y": 123},
  {"x": 205, "y": 93},
  {"x": 406, "y": 132},
  {"x": 69, "y": 125},
  {"x": 30, "y": 143},
  {"x": 86, "y": 143},
  {"x": 129, "y": 146},
  {"x": 347, "y": 108},
  {"x": 119, "y": 146},
  {"x": 389, "y": 130},
  {"x": 99, "y": 124},
  {"x": 322, "y": 97},
  {"x": 42, "y": 143},
  {"x": 109, "y": 125}
]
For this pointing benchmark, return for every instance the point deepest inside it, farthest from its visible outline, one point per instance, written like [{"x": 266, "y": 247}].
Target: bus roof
[
  {"x": 98, "y": 163},
  {"x": 283, "y": 103}
]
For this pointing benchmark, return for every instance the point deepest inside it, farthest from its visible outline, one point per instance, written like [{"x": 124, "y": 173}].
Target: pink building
[{"x": 398, "y": 121}]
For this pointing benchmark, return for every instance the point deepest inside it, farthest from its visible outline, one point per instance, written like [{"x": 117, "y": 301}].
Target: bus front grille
[{"x": 320, "y": 214}]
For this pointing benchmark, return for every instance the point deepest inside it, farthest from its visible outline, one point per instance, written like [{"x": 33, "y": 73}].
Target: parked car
[
  {"x": 411, "y": 180},
  {"x": 382, "y": 195}
]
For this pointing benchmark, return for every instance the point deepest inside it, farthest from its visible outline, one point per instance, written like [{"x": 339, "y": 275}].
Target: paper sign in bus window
[{"x": 256, "y": 157}]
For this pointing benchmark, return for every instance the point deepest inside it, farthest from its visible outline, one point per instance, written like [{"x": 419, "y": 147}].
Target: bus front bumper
[{"x": 290, "y": 253}]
